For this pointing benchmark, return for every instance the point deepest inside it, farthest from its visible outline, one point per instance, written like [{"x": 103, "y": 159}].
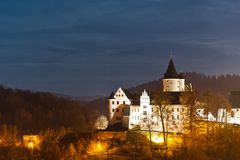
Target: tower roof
[{"x": 171, "y": 71}]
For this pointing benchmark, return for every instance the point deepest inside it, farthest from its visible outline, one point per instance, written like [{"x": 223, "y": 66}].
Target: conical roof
[
  {"x": 111, "y": 96},
  {"x": 171, "y": 71}
]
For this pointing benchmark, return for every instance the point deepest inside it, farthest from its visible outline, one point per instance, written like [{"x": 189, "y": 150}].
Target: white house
[{"x": 132, "y": 110}]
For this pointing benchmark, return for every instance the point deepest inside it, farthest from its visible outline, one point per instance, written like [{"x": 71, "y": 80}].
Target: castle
[{"x": 134, "y": 111}]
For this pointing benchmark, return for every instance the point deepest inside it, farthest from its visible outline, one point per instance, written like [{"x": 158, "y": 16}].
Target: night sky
[{"x": 91, "y": 47}]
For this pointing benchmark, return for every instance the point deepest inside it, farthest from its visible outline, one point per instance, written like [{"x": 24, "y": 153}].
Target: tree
[
  {"x": 162, "y": 101},
  {"x": 101, "y": 123},
  {"x": 188, "y": 99}
]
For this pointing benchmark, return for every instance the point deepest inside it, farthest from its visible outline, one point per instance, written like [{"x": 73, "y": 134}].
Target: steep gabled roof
[
  {"x": 171, "y": 71},
  {"x": 135, "y": 98},
  {"x": 128, "y": 94}
]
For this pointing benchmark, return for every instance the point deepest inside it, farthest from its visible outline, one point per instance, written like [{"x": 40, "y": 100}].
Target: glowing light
[
  {"x": 98, "y": 145},
  {"x": 30, "y": 145},
  {"x": 157, "y": 139}
]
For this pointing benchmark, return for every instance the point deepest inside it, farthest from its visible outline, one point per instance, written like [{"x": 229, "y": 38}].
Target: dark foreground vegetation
[
  {"x": 67, "y": 131},
  {"x": 208, "y": 141}
]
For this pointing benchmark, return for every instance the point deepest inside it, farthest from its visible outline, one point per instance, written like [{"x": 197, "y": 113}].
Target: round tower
[{"x": 172, "y": 82}]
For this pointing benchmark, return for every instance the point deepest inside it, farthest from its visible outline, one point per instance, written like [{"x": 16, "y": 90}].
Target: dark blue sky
[{"x": 91, "y": 47}]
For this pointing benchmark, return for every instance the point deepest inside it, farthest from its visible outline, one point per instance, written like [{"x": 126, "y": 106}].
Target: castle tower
[
  {"x": 172, "y": 82},
  {"x": 174, "y": 86}
]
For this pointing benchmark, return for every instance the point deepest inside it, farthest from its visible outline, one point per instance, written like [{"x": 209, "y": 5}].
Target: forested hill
[
  {"x": 221, "y": 84},
  {"x": 35, "y": 111}
]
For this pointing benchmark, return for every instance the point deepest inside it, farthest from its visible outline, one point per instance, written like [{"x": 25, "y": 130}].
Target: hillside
[
  {"x": 35, "y": 111},
  {"x": 222, "y": 84}
]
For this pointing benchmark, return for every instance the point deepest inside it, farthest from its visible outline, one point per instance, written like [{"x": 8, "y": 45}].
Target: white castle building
[
  {"x": 139, "y": 111},
  {"x": 231, "y": 115},
  {"x": 133, "y": 111},
  {"x": 223, "y": 115}
]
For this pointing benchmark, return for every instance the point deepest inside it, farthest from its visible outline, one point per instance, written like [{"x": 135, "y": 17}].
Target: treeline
[
  {"x": 221, "y": 84},
  {"x": 35, "y": 111}
]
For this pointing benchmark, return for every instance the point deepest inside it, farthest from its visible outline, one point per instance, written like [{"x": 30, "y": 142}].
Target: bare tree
[
  {"x": 162, "y": 101},
  {"x": 101, "y": 123}
]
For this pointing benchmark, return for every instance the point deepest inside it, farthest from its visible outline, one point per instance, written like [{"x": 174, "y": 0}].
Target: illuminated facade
[
  {"x": 32, "y": 141},
  {"x": 140, "y": 111},
  {"x": 231, "y": 115}
]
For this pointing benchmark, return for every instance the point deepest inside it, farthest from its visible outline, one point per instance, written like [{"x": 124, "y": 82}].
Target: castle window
[
  {"x": 117, "y": 110},
  {"x": 112, "y": 102},
  {"x": 124, "y": 102},
  {"x": 118, "y": 118},
  {"x": 117, "y": 102},
  {"x": 113, "y": 110},
  {"x": 172, "y": 116},
  {"x": 177, "y": 116},
  {"x": 232, "y": 114},
  {"x": 183, "y": 109},
  {"x": 145, "y": 113},
  {"x": 178, "y": 109},
  {"x": 237, "y": 109},
  {"x": 172, "y": 109}
]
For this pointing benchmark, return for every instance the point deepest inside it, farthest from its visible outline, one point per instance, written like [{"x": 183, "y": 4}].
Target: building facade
[{"x": 142, "y": 112}]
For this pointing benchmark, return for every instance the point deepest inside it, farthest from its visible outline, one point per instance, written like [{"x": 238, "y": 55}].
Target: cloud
[{"x": 96, "y": 45}]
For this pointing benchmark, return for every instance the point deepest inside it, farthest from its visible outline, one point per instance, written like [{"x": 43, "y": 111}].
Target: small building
[{"x": 31, "y": 141}]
